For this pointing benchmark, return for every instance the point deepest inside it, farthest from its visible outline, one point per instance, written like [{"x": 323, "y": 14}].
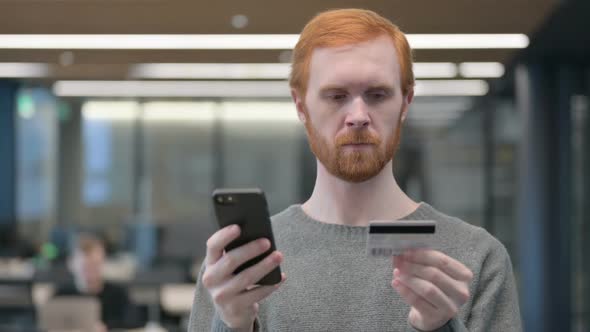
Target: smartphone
[
  {"x": 248, "y": 209},
  {"x": 389, "y": 238}
]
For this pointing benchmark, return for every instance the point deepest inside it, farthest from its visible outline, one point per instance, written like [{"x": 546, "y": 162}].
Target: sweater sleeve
[
  {"x": 495, "y": 299},
  {"x": 202, "y": 313},
  {"x": 203, "y": 317}
]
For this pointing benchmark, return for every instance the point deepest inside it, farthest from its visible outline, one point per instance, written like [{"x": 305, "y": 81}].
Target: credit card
[{"x": 389, "y": 238}]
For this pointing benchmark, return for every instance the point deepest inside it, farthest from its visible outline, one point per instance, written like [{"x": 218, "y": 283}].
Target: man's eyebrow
[
  {"x": 385, "y": 87},
  {"x": 373, "y": 87},
  {"x": 332, "y": 87}
]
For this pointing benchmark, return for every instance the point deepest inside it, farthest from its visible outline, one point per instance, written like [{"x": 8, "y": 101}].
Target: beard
[{"x": 356, "y": 165}]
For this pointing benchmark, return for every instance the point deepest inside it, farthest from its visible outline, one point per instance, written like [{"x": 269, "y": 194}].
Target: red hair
[{"x": 341, "y": 27}]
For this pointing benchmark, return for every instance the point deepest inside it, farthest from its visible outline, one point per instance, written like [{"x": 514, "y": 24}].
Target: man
[
  {"x": 86, "y": 264},
  {"x": 352, "y": 84}
]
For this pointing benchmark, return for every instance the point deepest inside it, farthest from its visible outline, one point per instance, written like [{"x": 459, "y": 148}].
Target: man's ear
[
  {"x": 299, "y": 105},
  {"x": 408, "y": 98}
]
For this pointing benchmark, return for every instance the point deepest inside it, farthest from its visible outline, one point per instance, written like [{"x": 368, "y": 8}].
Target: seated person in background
[{"x": 86, "y": 264}]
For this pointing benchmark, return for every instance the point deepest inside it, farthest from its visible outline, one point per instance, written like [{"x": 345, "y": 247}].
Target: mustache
[{"x": 357, "y": 137}]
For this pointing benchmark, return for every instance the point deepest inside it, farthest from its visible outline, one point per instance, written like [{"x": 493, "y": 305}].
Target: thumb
[{"x": 415, "y": 318}]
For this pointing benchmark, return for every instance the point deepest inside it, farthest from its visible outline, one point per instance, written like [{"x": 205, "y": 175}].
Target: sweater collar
[{"x": 423, "y": 211}]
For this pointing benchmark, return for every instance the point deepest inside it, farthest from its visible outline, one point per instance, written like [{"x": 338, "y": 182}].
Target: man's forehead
[
  {"x": 356, "y": 79},
  {"x": 373, "y": 62}
]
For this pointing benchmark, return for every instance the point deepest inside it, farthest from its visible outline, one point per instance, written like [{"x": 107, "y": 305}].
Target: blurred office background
[{"x": 128, "y": 135}]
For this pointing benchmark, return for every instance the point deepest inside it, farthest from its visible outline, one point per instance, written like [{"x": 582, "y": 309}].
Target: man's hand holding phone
[{"x": 236, "y": 296}]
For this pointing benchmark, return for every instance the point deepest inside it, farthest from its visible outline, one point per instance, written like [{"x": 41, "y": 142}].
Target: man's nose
[{"x": 358, "y": 115}]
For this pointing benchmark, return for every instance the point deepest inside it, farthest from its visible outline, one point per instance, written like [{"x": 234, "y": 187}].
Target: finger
[
  {"x": 232, "y": 259},
  {"x": 259, "y": 293},
  {"x": 254, "y": 273},
  {"x": 218, "y": 241},
  {"x": 458, "y": 291},
  {"x": 397, "y": 261},
  {"x": 427, "y": 291},
  {"x": 283, "y": 277},
  {"x": 450, "y": 266},
  {"x": 413, "y": 299}
]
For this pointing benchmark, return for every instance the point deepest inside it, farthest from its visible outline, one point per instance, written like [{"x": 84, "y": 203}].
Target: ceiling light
[
  {"x": 110, "y": 110},
  {"x": 23, "y": 70},
  {"x": 240, "y": 41},
  {"x": 154, "y": 42},
  {"x": 467, "y": 41},
  {"x": 481, "y": 69},
  {"x": 282, "y": 70},
  {"x": 435, "y": 70},
  {"x": 252, "y": 70},
  {"x": 243, "y": 89},
  {"x": 211, "y": 70},
  {"x": 451, "y": 88},
  {"x": 240, "y": 89},
  {"x": 190, "y": 112}
]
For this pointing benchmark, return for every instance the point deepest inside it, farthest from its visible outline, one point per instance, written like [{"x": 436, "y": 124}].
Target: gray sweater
[{"x": 332, "y": 285}]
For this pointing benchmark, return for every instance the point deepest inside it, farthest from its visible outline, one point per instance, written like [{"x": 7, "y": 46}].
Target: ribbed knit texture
[{"x": 332, "y": 285}]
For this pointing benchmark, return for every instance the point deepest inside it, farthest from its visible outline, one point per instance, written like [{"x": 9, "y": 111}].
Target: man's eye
[
  {"x": 376, "y": 96},
  {"x": 338, "y": 97}
]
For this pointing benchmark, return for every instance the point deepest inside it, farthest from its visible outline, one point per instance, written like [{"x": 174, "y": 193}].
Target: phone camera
[{"x": 220, "y": 199}]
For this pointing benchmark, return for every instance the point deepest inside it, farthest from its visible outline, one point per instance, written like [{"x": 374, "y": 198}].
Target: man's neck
[{"x": 339, "y": 202}]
